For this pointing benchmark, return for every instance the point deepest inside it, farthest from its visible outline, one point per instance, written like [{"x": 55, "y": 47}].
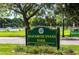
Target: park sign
[{"x": 43, "y": 36}]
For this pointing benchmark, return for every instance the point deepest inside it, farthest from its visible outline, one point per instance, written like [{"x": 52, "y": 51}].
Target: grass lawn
[
  {"x": 66, "y": 32},
  {"x": 22, "y": 33},
  {"x": 11, "y": 34},
  {"x": 74, "y": 47},
  {"x": 7, "y": 49}
]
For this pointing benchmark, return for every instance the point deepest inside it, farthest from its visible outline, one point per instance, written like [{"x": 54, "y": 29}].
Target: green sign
[{"x": 42, "y": 36}]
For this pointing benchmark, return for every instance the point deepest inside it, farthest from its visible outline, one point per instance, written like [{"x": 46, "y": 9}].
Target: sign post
[
  {"x": 43, "y": 36},
  {"x": 58, "y": 38}
]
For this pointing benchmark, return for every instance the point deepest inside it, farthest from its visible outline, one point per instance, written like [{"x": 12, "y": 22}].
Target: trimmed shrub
[
  {"x": 43, "y": 50},
  {"x": 19, "y": 49},
  {"x": 69, "y": 52}
]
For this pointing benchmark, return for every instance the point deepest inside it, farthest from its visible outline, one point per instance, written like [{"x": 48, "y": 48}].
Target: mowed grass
[
  {"x": 8, "y": 49},
  {"x": 73, "y": 47},
  {"x": 66, "y": 32},
  {"x": 22, "y": 33},
  {"x": 12, "y": 33}
]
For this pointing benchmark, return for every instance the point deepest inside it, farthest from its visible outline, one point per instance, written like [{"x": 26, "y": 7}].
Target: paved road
[
  {"x": 12, "y": 40},
  {"x": 69, "y": 42},
  {"x": 21, "y": 40}
]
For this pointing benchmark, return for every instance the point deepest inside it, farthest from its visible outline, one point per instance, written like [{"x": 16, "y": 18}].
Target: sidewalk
[
  {"x": 70, "y": 41},
  {"x": 21, "y": 40},
  {"x": 12, "y": 40},
  {"x": 72, "y": 38}
]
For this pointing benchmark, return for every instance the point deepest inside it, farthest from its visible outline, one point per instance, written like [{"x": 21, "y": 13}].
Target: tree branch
[
  {"x": 17, "y": 11},
  {"x": 34, "y": 13},
  {"x": 28, "y": 8},
  {"x": 19, "y": 6}
]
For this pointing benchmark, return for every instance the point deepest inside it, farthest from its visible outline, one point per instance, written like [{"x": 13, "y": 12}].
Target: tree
[
  {"x": 71, "y": 11},
  {"x": 29, "y": 10}
]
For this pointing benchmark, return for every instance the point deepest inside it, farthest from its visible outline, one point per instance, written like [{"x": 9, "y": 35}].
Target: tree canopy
[{"x": 52, "y": 12}]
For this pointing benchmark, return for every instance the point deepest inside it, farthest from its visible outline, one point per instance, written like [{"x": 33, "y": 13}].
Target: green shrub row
[{"x": 43, "y": 50}]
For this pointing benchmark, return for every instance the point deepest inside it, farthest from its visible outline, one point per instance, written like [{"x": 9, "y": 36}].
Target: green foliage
[
  {"x": 19, "y": 49},
  {"x": 39, "y": 11},
  {"x": 46, "y": 50},
  {"x": 58, "y": 20},
  {"x": 10, "y": 49},
  {"x": 36, "y": 50},
  {"x": 74, "y": 32},
  {"x": 70, "y": 52},
  {"x": 6, "y": 22},
  {"x": 37, "y": 22},
  {"x": 59, "y": 52},
  {"x": 70, "y": 11}
]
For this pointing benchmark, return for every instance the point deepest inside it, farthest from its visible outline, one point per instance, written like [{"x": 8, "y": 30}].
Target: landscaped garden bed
[
  {"x": 19, "y": 49},
  {"x": 44, "y": 50}
]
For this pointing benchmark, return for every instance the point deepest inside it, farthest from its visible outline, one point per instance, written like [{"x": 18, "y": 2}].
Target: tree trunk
[{"x": 26, "y": 26}]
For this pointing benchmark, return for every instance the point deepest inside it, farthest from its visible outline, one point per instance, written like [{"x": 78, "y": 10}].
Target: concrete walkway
[
  {"x": 21, "y": 40},
  {"x": 73, "y": 38},
  {"x": 12, "y": 40},
  {"x": 69, "y": 42}
]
